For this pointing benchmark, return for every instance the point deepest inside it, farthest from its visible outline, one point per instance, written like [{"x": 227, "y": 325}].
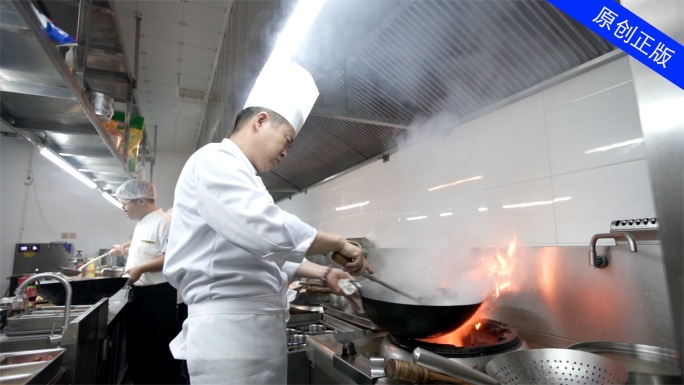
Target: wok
[
  {"x": 84, "y": 291},
  {"x": 74, "y": 272},
  {"x": 405, "y": 318}
]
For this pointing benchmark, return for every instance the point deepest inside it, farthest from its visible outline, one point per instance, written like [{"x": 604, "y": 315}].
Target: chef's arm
[
  {"x": 327, "y": 274},
  {"x": 326, "y": 242},
  {"x": 135, "y": 272}
]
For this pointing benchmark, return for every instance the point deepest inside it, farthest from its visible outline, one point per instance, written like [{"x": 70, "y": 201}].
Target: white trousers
[{"x": 236, "y": 341}]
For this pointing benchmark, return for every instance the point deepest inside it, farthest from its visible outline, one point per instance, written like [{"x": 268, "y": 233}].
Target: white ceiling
[{"x": 179, "y": 46}]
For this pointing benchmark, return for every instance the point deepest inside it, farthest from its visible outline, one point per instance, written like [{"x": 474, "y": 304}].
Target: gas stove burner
[
  {"x": 492, "y": 337},
  {"x": 481, "y": 345}
]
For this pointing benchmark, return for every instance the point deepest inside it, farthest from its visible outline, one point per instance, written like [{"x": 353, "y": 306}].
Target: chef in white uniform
[{"x": 232, "y": 252}]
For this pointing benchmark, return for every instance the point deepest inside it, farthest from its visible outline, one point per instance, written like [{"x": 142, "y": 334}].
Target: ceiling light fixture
[
  {"x": 303, "y": 15},
  {"x": 360, "y": 204},
  {"x": 446, "y": 214},
  {"x": 615, "y": 145},
  {"x": 111, "y": 200},
  {"x": 455, "y": 183},
  {"x": 64, "y": 165},
  {"x": 482, "y": 209}
]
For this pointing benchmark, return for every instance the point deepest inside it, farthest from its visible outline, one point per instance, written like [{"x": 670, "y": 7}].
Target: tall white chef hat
[{"x": 286, "y": 88}]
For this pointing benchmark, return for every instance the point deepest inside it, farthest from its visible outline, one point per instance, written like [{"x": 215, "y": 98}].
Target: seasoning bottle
[
  {"x": 90, "y": 269},
  {"x": 80, "y": 260}
]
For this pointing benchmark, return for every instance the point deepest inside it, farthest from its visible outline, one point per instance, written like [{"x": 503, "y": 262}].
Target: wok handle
[{"x": 416, "y": 374}]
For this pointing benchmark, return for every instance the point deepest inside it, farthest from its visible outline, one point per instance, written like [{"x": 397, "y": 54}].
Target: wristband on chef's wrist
[{"x": 325, "y": 275}]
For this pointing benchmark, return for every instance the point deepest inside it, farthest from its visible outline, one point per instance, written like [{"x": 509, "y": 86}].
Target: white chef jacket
[
  {"x": 228, "y": 239},
  {"x": 150, "y": 239}
]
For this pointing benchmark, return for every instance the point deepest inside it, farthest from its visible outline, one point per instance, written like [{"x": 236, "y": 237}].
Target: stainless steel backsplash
[
  {"x": 555, "y": 297},
  {"x": 558, "y": 299}
]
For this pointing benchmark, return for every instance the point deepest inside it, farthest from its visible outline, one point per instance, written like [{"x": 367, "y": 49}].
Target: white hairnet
[{"x": 136, "y": 189}]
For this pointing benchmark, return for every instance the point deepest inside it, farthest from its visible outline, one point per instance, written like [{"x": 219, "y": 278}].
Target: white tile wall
[
  {"x": 57, "y": 203},
  {"x": 530, "y": 153}
]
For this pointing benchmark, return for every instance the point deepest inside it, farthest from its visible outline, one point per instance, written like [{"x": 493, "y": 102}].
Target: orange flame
[{"x": 500, "y": 270}]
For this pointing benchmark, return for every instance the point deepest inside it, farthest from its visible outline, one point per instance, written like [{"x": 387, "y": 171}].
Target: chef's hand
[
  {"x": 357, "y": 259},
  {"x": 118, "y": 250},
  {"x": 332, "y": 280},
  {"x": 134, "y": 274}
]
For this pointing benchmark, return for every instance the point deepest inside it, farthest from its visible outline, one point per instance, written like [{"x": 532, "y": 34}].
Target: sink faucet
[
  {"x": 67, "y": 287},
  {"x": 600, "y": 262}
]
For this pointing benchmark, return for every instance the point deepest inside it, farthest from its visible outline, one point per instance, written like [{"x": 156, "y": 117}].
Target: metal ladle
[{"x": 74, "y": 272}]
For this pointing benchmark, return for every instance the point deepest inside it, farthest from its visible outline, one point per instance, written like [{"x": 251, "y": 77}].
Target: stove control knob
[{"x": 349, "y": 349}]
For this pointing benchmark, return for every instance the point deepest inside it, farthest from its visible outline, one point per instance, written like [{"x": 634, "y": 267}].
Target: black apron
[{"x": 151, "y": 323}]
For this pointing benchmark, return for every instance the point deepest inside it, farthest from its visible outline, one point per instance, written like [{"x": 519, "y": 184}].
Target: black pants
[{"x": 150, "y": 325}]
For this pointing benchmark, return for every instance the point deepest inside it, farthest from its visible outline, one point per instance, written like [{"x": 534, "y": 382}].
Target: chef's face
[
  {"x": 132, "y": 208},
  {"x": 277, "y": 140}
]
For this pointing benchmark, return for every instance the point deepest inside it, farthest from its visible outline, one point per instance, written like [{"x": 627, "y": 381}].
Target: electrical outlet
[
  {"x": 65, "y": 235},
  {"x": 72, "y": 235}
]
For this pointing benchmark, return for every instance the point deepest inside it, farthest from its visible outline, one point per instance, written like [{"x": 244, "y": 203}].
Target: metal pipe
[
  {"x": 67, "y": 287},
  {"x": 600, "y": 262},
  {"x": 83, "y": 36}
]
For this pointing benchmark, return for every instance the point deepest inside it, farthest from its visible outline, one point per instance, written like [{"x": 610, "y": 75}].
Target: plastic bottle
[{"x": 90, "y": 269}]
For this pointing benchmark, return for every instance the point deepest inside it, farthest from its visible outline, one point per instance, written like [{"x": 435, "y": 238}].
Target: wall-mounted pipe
[{"x": 600, "y": 262}]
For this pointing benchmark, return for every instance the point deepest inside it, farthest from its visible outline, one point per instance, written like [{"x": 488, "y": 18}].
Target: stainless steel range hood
[{"x": 45, "y": 101}]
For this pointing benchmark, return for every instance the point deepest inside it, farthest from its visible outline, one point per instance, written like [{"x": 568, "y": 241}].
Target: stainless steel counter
[{"x": 116, "y": 303}]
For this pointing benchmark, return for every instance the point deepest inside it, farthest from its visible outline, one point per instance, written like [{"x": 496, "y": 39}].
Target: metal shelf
[{"x": 41, "y": 97}]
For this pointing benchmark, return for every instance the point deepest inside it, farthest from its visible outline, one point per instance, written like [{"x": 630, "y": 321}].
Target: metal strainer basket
[{"x": 555, "y": 366}]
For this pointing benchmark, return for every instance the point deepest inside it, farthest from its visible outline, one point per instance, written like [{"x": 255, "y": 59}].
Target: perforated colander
[{"x": 555, "y": 366}]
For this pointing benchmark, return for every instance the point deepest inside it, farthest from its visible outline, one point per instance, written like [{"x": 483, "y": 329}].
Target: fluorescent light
[
  {"x": 297, "y": 27},
  {"x": 446, "y": 214},
  {"x": 455, "y": 183},
  {"x": 360, "y": 204},
  {"x": 73, "y": 155},
  {"x": 64, "y": 165},
  {"x": 112, "y": 200},
  {"x": 536, "y": 203},
  {"x": 615, "y": 145},
  {"x": 416, "y": 218},
  {"x": 482, "y": 209}
]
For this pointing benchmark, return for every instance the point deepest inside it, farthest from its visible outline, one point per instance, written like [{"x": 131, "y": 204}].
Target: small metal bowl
[
  {"x": 296, "y": 339},
  {"x": 113, "y": 272},
  {"x": 316, "y": 329}
]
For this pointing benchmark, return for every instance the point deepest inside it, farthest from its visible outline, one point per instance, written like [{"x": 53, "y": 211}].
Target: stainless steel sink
[
  {"x": 41, "y": 320},
  {"x": 31, "y": 367}
]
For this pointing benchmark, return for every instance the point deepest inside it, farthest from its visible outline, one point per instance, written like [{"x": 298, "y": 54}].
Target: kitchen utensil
[
  {"x": 555, "y": 366},
  {"x": 416, "y": 374},
  {"x": 391, "y": 312},
  {"x": 645, "y": 364},
  {"x": 449, "y": 367},
  {"x": 342, "y": 260},
  {"x": 74, "y": 272}
]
